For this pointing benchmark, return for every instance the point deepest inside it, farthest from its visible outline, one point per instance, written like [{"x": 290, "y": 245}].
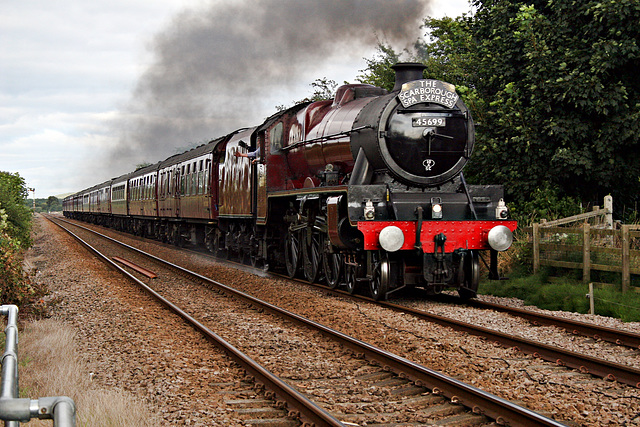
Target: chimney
[{"x": 407, "y": 72}]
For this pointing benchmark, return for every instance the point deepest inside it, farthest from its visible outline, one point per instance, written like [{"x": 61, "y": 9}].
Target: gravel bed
[
  {"x": 317, "y": 365},
  {"x": 566, "y": 395},
  {"x": 129, "y": 342},
  {"x": 611, "y": 322},
  {"x": 517, "y": 326}
]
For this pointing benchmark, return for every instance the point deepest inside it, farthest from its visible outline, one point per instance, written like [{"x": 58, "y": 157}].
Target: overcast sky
[{"x": 87, "y": 83}]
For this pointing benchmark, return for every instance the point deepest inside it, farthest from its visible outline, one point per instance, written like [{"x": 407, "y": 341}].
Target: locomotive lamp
[
  {"x": 502, "y": 212},
  {"x": 436, "y": 208},
  {"x": 369, "y": 210},
  {"x": 500, "y": 238}
]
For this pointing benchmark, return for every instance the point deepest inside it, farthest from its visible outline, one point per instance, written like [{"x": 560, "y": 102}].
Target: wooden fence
[{"x": 587, "y": 248}]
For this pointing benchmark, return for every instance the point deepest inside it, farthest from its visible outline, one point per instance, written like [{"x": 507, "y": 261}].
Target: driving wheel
[
  {"x": 469, "y": 287},
  {"x": 381, "y": 275},
  {"x": 292, "y": 252},
  {"x": 312, "y": 257}
]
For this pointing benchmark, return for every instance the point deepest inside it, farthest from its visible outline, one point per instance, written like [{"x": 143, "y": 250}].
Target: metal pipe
[{"x": 14, "y": 410}]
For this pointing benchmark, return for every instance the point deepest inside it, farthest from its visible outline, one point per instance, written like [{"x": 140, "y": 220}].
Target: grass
[
  {"x": 50, "y": 366},
  {"x": 565, "y": 294}
]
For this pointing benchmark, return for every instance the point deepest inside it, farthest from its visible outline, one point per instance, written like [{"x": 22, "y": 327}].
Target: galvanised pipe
[{"x": 14, "y": 410}]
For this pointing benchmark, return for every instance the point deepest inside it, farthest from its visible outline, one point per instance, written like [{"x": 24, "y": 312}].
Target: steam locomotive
[{"x": 362, "y": 191}]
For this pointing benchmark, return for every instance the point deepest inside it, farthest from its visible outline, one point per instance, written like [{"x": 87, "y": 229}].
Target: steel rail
[
  {"x": 584, "y": 363},
  {"x": 598, "y": 367},
  {"x": 480, "y": 402},
  {"x": 617, "y": 336},
  {"x": 298, "y": 404}
]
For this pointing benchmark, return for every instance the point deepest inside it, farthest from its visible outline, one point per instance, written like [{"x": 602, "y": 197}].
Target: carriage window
[
  {"x": 206, "y": 175},
  {"x": 275, "y": 135},
  {"x": 181, "y": 180},
  {"x": 194, "y": 182}
]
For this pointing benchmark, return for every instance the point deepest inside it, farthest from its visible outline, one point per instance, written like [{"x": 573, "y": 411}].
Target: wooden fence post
[
  {"x": 536, "y": 247},
  {"x": 626, "y": 259},
  {"x": 586, "y": 253}
]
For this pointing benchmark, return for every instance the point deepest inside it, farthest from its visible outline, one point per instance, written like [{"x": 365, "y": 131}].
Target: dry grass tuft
[{"x": 50, "y": 366}]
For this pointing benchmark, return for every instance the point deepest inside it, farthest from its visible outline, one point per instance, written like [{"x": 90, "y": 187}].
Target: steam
[{"x": 214, "y": 68}]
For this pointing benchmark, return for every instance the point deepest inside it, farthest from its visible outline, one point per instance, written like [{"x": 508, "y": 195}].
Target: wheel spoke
[
  {"x": 292, "y": 253},
  {"x": 332, "y": 264},
  {"x": 311, "y": 257}
]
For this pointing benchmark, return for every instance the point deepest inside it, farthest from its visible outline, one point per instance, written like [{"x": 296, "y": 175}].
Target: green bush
[
  {"x": 545, "y": 203},
  {"x": 16, "y": 286}
]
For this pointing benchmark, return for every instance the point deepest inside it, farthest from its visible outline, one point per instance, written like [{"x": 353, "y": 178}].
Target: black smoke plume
[{"x": 215, "y": 68}]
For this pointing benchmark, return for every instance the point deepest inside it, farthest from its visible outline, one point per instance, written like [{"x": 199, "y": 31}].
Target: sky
[{"x": 90, "y": 89}]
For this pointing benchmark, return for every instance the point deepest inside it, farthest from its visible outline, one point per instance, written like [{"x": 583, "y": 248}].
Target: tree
[
  {"x": 553, "y": 91},
  {"x": 13, "y": 192},
  {"x": 53, "y": 203},
  {"x": 564, "y": 100},
  {"x": 379, "y": 72}
]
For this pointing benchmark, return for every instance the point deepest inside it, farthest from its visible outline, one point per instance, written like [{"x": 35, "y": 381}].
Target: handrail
[{"x": 13, "y": 409}]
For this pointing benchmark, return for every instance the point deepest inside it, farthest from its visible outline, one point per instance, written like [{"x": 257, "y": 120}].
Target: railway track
[
  {"x": 585, "y": 363},
  {"x": 599, "y": 332},
  {"x": 396, "y": 389},
  {"x": 591, "y": 330}
]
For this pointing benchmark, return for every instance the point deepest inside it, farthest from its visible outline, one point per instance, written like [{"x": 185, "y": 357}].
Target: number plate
[{"x": 428, "y": 122}]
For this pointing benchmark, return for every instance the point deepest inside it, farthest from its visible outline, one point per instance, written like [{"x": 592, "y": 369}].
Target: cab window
[{"x": 276, "y": 137}]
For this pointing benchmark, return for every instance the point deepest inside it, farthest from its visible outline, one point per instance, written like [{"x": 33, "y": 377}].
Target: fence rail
[
  {"x": 13, "y": 409},
  {"x": 587, "y": 248}
]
